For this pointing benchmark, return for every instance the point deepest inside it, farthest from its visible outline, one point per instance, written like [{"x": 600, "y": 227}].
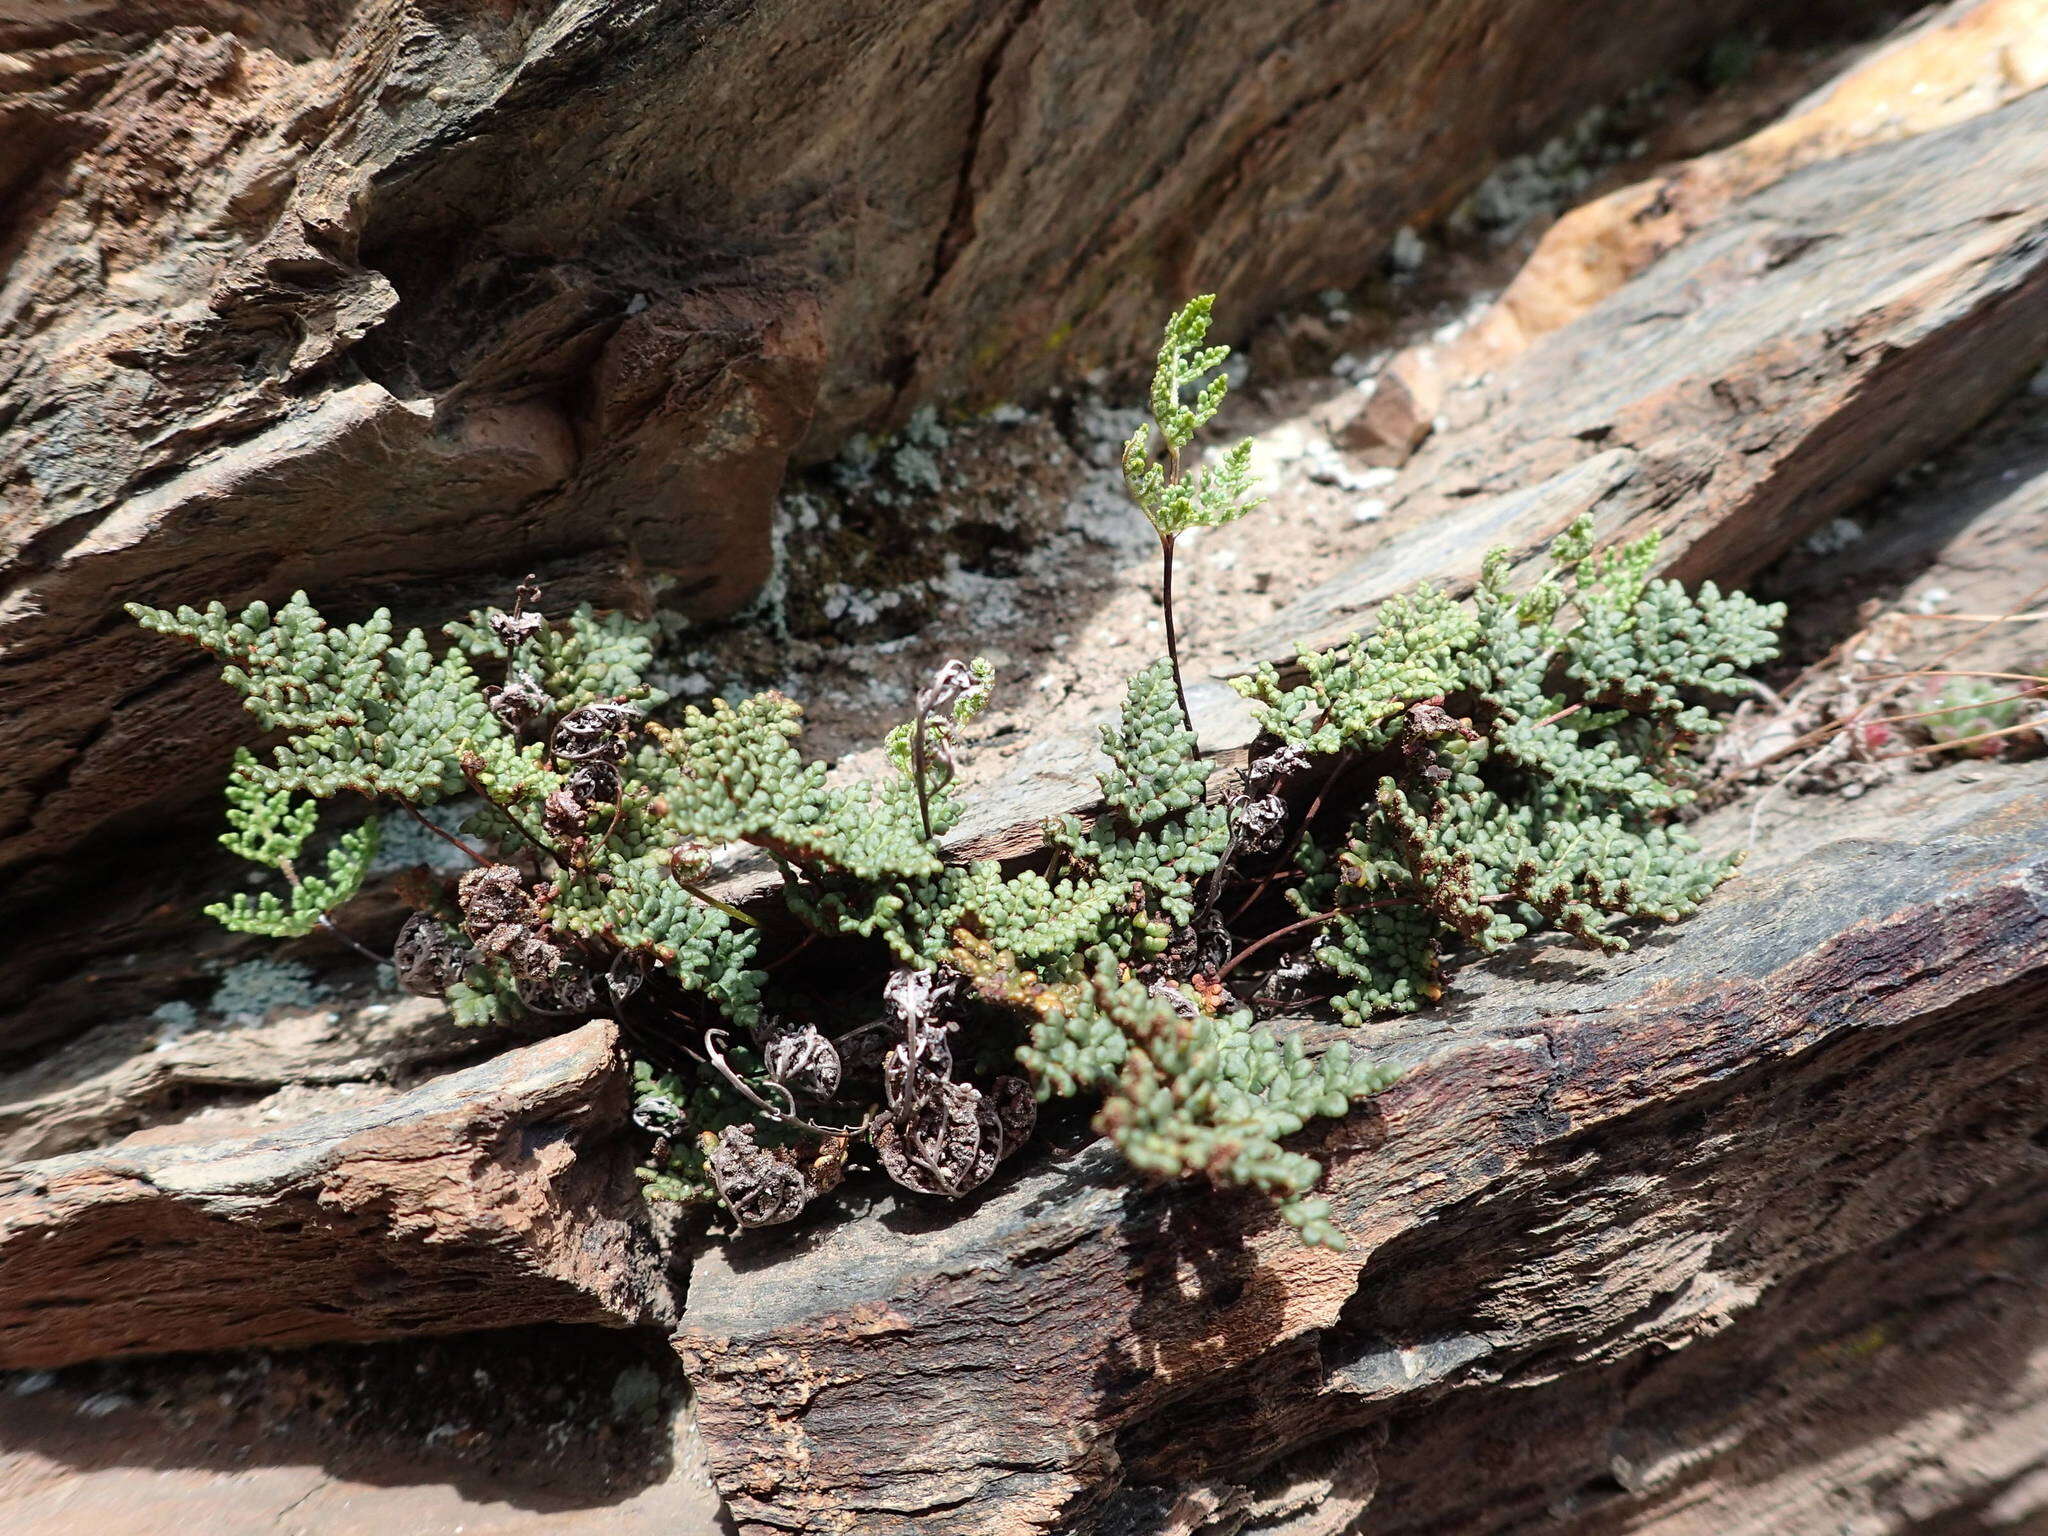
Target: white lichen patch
[{"x": 253, "y": 989}]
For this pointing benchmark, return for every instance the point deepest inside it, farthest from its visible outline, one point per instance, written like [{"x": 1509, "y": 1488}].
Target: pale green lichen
[{"x": 256, "y": 988}]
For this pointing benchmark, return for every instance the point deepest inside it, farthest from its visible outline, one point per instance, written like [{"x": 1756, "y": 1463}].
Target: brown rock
[
  {"x": 1760, "y": 1136},
  {"x": 489, "y": 1196},
  {"x": 1389, "y": 424},
  {"x": 396, "y": 301},
  {"x": 1713, "y": 1238},
  {"x": 1970, "y": 57},
  {"x": 1791, "y": 359},
  {"x": 129, "y": 1073},
  {"x": 1756, "y": 383}
]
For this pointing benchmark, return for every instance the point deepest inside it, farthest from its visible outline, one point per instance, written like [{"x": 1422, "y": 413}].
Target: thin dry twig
[
  {"x": 1832, "y": 738},
  {"x": 1963, "y": 708},
  {"x": 1977, "y": 618},
  {"x": 785, "y": 1113},
  {"x": 444, "y": 834},
  {"x": 1962, "y": 741},
  {"x": 1822, "y": 734},
  {"x": 726, "y": 907},
  {"x": 1893, "y": 677},
  {"x": 1307, "y": 922}
]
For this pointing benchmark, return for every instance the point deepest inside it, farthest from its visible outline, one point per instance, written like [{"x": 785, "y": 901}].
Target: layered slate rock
[
  {"x": 1797, "y": 355},
  {"x": 1808, "y": 1118},
  {"x": 1790, "y": 359},
  {"x": 125, "y": 1075},
  {"x": 1965, "y": 58},
  {"x": 397, "y": 301},
  {"x": 1733, "y": 1234},
  {"x": 491, "y": 1196}
]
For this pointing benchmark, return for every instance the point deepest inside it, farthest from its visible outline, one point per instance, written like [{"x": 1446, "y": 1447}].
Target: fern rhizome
[{"x": 1464, "y": 775}]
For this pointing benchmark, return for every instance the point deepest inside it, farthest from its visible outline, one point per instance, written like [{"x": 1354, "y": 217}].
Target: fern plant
[
  {"x": 1519, "y": 772},
  {"x": 1477, "y": 773},
  {"x": 1173, "y": 500}
]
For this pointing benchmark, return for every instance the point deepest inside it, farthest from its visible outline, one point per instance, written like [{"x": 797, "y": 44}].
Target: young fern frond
[
  {"x": 311, "y": 897},
  {"x": 1211, "y": 1094},
  {"x": 1172, "y": 500}
]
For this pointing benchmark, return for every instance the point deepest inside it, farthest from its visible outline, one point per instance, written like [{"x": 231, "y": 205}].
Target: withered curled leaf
[
  {"x": 518, "y": 703},
  {"x": 827, "y": 1170},
  {"x": 803, "y": 1061},
  {"x": 562, "y": 816},
  {"x": 569, "y": 989},
  {"x": 1258, "y": 823},
  {"x": 1016, "y": 1108},
  {"x": 514, "y": 629},
  {"x": 919, "y": 999},
  {"x": 427, "y": 957},
  {"x": 660, "y": 1115},
  {"x": 1263, "y": 774},
  {"x": 596, "y": 732},
  {"x": 911, "y": 1069},
  {"x": 626, "y": 975},
  {"x": 526, "y": 953},
  {"x": 491, "y": 896},
  {"x": 761, "y": 1186},
  {"x": 946, "y": 1143},
  {"x": 594, "y": 783}
]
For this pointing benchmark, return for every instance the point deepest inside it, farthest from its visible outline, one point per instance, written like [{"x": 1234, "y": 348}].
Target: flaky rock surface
[
  {"x": 1793, "y": 358},
  {"x": 495, "y": 1195},
  {"x": 1826, "y": 1079},
  {"x": 1731, "y": 1236},
  {"x": 1668, "y": 1243},
  {"x": 1965, "y": 58},
  {"x": 393, "y": 300}
]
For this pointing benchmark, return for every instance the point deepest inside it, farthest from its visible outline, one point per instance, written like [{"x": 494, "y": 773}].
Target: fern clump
[
  {"x": 1461, "y": 777},
  {"x": 1521, "y": 760},
  {"x": 268, "y": 827}
]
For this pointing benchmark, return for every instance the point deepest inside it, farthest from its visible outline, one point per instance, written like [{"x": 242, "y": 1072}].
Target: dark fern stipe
[{"x": 1462, "y": 776}]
